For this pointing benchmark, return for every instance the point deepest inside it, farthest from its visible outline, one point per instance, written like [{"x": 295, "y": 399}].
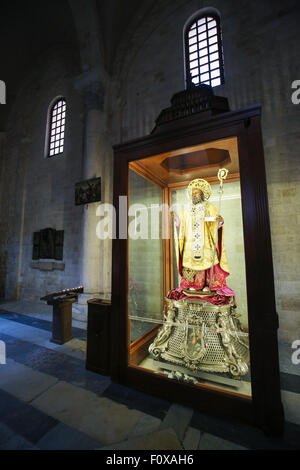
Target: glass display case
[
  {"x": 193, "y": 296},
  {"x": 196, "y": 331}
]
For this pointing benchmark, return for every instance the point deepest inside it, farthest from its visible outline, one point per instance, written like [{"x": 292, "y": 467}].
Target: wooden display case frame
[{"x": 264, "y": 409}]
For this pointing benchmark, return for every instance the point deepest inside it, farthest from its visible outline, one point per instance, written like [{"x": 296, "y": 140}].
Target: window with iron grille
[
  {"x": 57, "y": 127},
  {"x": 203, "y": 51}
]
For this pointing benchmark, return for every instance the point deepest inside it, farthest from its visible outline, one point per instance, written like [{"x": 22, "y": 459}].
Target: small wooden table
[
  {"x": 61, "y": 320},
  {"x": 62, "y": 313}
]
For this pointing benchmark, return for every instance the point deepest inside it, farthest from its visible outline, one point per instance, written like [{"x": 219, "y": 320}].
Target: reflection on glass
[{"x": 145, "y": 293}]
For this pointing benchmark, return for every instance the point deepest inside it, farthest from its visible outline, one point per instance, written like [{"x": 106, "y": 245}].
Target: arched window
[
  {"x": 203, "y": 50},
  {"x": 56, "y": 127}
]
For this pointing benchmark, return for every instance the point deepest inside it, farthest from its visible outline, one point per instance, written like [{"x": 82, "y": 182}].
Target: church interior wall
[
  {"x": 38, "y": 192},
  {"x": 113, "y": 102}
]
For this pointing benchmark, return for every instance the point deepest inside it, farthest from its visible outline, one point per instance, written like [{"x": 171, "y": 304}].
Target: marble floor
[{"x": 48, "y": 400}]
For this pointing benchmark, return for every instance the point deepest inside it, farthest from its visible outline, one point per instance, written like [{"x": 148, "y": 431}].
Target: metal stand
[
  {"x": 202, "y": 337},
  {"x": 62, "y": 313}
]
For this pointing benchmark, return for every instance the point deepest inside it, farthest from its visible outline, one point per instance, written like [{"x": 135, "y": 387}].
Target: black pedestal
[{"x": 98, "y": 336}]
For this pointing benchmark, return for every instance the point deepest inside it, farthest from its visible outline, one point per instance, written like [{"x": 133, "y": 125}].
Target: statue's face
[{"x": 197, "y": 196}]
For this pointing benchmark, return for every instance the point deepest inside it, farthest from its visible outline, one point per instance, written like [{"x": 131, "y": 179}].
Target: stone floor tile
[
  {"x": 149, "y": 404},
  {"x": 36, "y": 336},
  {"x": 24, "y": 332},
  {"x": 178, "y": 418},
  {"x": 63, "y": 437},
  {"x": 57, "y": 364},
  {"x": 23, "y": 306},
  {"x": 165, "y": 439},
  {"x": 5, "y": 433},
  {"x": 290, "y": 382},
  {"x": 191, "y": 439},
  {"x": 78, "y": 345},
  {"x": 40, "y": 322},
  {"x": 291, "y": 405},
  {"x": 17, "y": 442},
  {"x": 210, "y": 442},
  {"x": 8, "y": 327},
  {"x": 23, "y": 419},
  {"x": 291, "y": 436},
  {"x": 145, "y": 425},
  {"x": 118, "y": 426},
  {"x": 23, "y": 382},
  {"x": 10, "y": 440},
  {"x": 285, "y": 359},
  {"x": 36, "y": 310},
  {"x": 240, "y": 433},
  {"x": 100, "y": 418}
]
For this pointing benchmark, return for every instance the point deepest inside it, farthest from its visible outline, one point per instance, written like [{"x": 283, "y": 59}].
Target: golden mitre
[{"x": 201, "y": 184}]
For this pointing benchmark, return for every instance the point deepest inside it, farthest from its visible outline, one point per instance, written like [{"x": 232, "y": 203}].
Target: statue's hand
[{"x": 220, "y": 220}]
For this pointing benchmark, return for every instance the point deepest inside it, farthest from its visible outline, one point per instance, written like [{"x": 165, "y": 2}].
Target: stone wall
[
  {"x": 261, "y": 52},
  {"x": 38, "y": 192}
]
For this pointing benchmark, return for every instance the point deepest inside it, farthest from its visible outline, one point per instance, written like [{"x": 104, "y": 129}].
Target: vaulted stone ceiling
[
  {"x": 30, "y": 27},
  {"x": 27, "y": 29},
  {"x": 115, "y": 16}
]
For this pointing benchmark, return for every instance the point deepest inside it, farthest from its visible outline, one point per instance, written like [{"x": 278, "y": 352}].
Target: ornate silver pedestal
[{"x": 202, "y": 337}]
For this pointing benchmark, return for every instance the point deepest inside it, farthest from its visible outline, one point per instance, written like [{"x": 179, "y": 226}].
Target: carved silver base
[{"x": 202, "y": 337}]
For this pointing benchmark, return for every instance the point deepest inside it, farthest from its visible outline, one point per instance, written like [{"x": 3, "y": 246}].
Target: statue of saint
[
  {"x": 202, "y": 260},
  {"x": 208, "y": 338}
]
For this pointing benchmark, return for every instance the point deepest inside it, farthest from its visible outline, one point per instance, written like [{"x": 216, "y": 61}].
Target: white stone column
[
  {"x": 93, "y": 156},
  {"x": 93, "y": 150}
]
